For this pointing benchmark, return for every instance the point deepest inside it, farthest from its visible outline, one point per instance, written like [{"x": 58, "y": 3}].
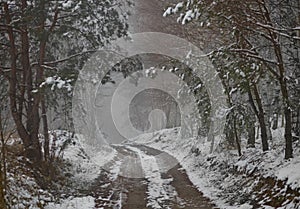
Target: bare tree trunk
[
  {"x": 28, "y": 134},
  {"x": 297, "y": 131},
  {"x": 275, "y": 121},
  {"x": 45, "y": 130},
  {"x": 286, "y": 103},
  {"x": 237, "y": 140},
  {"x": 281, "y": 76},
  {"x": 38, "y": 97},
  {"x": 2, "y": 186},
  {"x": 2, "y": 166},
  {"x": 288, "y": 123},
  {"x": 13, "y": 83},
  {"x": 269, "y": 132},
  {"x": 259, "y": 112},
  {"x": 210, "y": 136},
  {"x": 287, "y": 106},
  {"x": 251, "y": 133},
  {"x": 2, "y": 174},
  {"x": 288, "y": 134}
]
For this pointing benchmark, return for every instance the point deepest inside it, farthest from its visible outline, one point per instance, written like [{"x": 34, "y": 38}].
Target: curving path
[{"x": 138, "y": 178}]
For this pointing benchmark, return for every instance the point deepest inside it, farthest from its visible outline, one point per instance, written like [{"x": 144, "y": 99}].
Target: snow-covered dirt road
[{"x": 139, "y": 177}]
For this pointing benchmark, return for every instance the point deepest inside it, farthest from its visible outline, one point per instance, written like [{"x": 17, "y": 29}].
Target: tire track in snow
[
  {"x": 113, "y": 190},
  {"x": 160, "y": 193},
  {"x": 158, "y": 187}
]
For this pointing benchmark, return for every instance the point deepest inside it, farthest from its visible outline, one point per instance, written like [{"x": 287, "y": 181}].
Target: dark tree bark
[
  {"x": 16, "y": 113},
  {"x": 237, "y": 139},
  {"x": 2, "y": 168},
  {"x": 297, "y": 131},
  {"x": 45, "y": 130},
  {"x": 259, "y": 112},
  {"x": 28, "y": 134},
  {"x": 275, "y": 121},
  {"x": 251, "y": 133},
  {"x": 281, "y": 76}
]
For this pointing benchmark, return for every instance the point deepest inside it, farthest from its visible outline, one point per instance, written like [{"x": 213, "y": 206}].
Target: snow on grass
[
  {"x": 87, "y": 161},
  {"x": 23, "y": 192},
  {"x": 272, "y": 163},
  {"x": 85, "y": 165},
  {"x": 74, "y": 203},
  {"x": 291, "y": 173}
]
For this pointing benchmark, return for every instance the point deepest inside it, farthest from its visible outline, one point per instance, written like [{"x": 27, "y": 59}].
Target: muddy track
[
  {"x": 187, "y": 191},
  {"x": 115, "y": 189}
]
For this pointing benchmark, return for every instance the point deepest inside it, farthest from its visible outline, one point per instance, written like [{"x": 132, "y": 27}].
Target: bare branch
[
  {"x": 66, "y": 58},
  {"x": 54, "y": 19}
]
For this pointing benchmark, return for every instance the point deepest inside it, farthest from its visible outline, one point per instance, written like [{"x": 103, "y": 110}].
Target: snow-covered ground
[
  {"x": 228, "y": 180},
  {"x": 157, "y": 192},
  {"x": 86, "y": 163},
  {"x": 83, "y": 168},
  {"x": 209, "y": 172},
  {"x": 24, "y": 192},
  {"x": 74, "y": 203}
]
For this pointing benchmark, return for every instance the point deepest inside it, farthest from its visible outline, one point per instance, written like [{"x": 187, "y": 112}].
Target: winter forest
[{"x": 159, "y": 104}]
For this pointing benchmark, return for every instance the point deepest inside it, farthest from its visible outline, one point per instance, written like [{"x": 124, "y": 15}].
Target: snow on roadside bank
[
  {"x": 87, "y": 161},
  {"x": 170, "y": 142},
  {"x": 214, "y": 180},
  {"x": 272, "y": 162},
  {"x": 82, "y": 165},
  {"x": 74, "y": 203}
]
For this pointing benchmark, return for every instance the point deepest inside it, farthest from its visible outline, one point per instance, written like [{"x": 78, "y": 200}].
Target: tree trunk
[
  {"x": 288, "y": 134},
  {"x": 258, "y": 130},
  {"x": 2, "y": 168},
  {"x": 288, "y": 121},
  {"x": 237, "y": 140},
  {"x": 286, "y": 102},
  {"x": 268, "y": 126},
  {"x": 251, "y": 134},
  {"x": 36, "y": 152},
  {"x": 297, "y": 131},
  {"x": 283, "y": 87},
  {"x": 16, "y": 113},
  {"x": 259, "y": 112},
  {"x": 211, "y": 137},
  {"x": 2, "y": 189},
  {"x": 229, "y": 133},
  {"x": 45, "y": 130},
  {"x": 275, "y": 121}
]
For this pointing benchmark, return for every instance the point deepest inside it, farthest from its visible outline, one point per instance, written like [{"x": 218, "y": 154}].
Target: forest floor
[
  {"x": 162, "y": 170},
  {"x": 256, "y": 179},
  {"x": 138, "y": 177}
]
